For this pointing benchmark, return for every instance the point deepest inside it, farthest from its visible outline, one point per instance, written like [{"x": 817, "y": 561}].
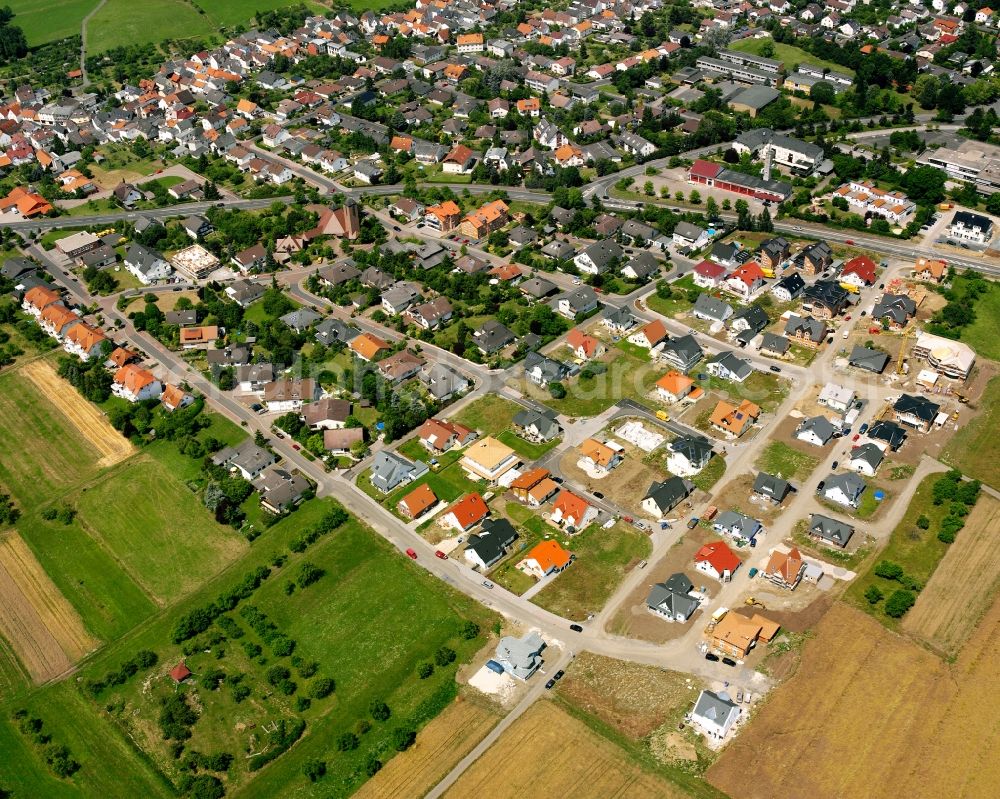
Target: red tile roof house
[
  {"x": 465, "y": 514},
  {"x": 745, "y": 280},
  {"x": 440, "y": 436},
  {"x": 572, "y": 511},
  {"x": 650, "y": 335},
  {"x": 584, "y": 346},
  {"x": 861, "y": 271},
  {"x": 717, "y": 560},
  {"x": 709, "y": 275}
]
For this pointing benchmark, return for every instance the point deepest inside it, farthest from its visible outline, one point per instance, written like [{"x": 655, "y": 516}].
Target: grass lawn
[
  {"x": 103, "y": 206},
  {"x": 256, "y": 313},
  {"x": 762, "y": 388},
  {"x": 780, "y": 459},
  {"x": 43, "y": 454},
  {"x": 414, "y": 450},
  {"x": 868, "y": 504},
  {"x": 602, "y": 559},
  {"x": 917, "y": 551},
  {"x": 372, "y": 606},
  {"x": 158, "y": 529},
  {"x": 981, "y": 335},
  {"x": 634, "y": 350},
  {"x": 108, "y": 600},
  {"x": 448, "y": 484},
  {"x": 109, "y": 764},
  {"x": 670, "y": 308},
  {"x": 532, "y": 529},
  {"x": 122, "y": 22},
  {"x": 49, "y": 239},
  {"x": 711, "y": 474},
  {"x": 973, "y": 449},
  {"x": 184, "y": 468},
  {"x": 788, "y": 54},
  {"x": 526, "y": 449},
  {"x": 490, "y": 414},
  {"x": 48, "y": 20}
]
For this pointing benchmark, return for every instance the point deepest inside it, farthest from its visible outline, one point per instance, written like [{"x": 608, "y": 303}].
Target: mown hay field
[{"x": 870, "y": 713}]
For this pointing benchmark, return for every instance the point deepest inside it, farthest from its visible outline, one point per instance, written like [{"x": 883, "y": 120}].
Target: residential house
[
  {"x": 244, "y": 293},
  {"x": 466, "y": 513},
  {"x": 789, "y": 287},
  {"x": 869, "y": 360},
  {"x": 246, "y": 458},
  {"x": 747, "y": 323},
  {"x": 368, "y": 347},
  {"x": 726, "y": 365},
  {"x": 844, "y": 489},
  {"x": 689, "y": 454},
  {"x": 300, "y": 320},
  {"x": 400, "y": 366},
  {"x": 641, "y": 267},
  {"x": 827, "y": 297},
  {"x": 135, "y": 384},
  {"x": 663, "y": 496},
  {"x": 619, "y": 321},
  {"x": 866, "y": 459},
  {"x": 459, "y": 161},
  {"x": 290, "y": 394},
  {"x": 805, "y": 331},
  {"x": 545, "y": 558},
  {"x": 672, "y": 600},
  {"x": 191, "y": 338},
  {"x": 650, "y": 336},
  {"x": 915, "y": 411},
  {"x": 717, "y": 560},
  {"x": 770, "y": 487},
  {"x": 785, "y": 569},
  {"x": 711, "y": 308},
  {"x": 438, "y": 435},
  {"x": 443, "y": 382},
  {"x": 444, "y": 217},
  {"x": 398, "y": 298},
  {"x": 889, "y": 433},
  {"x": 944, "y": 355},
  {"x": 598, "y": 457},
  {"x": 599, "y": 257},
  {"x": 709, "y": 275},
  {"x": 341, "y": 442},
  {"x": 492, "y": 337},
  {"x": 840, "y": 398},
  {"x": 534, "y": 487},
  {"x": 675, "y": 386},
  {"x": 817, "y": 430},
  {"x": 486, "y": 219},
  {"x": 572, "y": 511},
  {"x": 732, "y": 420},
  {"x": 967, "y": 226},
  {"x": 773, "y": 252},
  {"x": 715, "y": 714},
  {"x": 683, "y": 353},
  {"x": 420, "y": 500},
  {"x": 584, "y": 346},
  {"x": 520, "y": 657},
  {"x": 537, "y": 426},
  {"x": 489, "y": 459},
  {"x": 894, "y": 310},
  {"x": 326, "y": 413},
  {"x": 688, "y": 235},
  {"x": 735, "y": 634},
  {"x": 281, "y": 490},
  {"x": 252, "y": 259},
  {"x": 930, "y": 269},
  {"x": 816, "y": 258},
  {"x": 745, "y": 280},
  {"x": 580, "y": 300},
  {"x": 175, "y": 397},
  {"x": 859, "y": 272},
  {"x": 391, "y": 470},
  {"x": 829, "y": 531},
  {"x": 485, "y": 548},
  {"x": 741, "y": 528},
  {"x": 774, "y": 345}
]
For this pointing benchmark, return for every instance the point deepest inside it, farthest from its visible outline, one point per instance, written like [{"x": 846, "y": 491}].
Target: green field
[
  {"x": 602, "y": 559},
  {"x": 711, "y": 474},
  {"x": 981, "y": 335},
  {"x": 780, "y": 459},
  {"x": 43, "y": 454},
  {"x": 124, "y": 22},
  {"x": 47, "y": 20},
  {"x": 366, "y": 623},
  {"x": 168, "y": 554},
  {"x": 489, "y": 415},
  {"x": 788, "y": 54},
  {"x": 973, "y": 449}
]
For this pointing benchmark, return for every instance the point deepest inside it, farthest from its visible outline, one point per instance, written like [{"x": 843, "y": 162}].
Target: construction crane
[{"x": 910, "y": 332}]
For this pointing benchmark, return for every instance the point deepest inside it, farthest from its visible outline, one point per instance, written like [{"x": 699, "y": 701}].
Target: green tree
[
  {"x": 315, "y": 769},
  {"x": 874, "y": 594},
  {"x": 899, "y": 602}
]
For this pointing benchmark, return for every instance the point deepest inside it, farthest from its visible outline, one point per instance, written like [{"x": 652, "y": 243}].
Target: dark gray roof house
[
  {"x": 491, "y": 543},
  {"x": 830, "y": 530},
  {"x": 789, "y": 287},
  {"x": 889, "y": 432},
  {"x": 868, "y": 454},
  {"x": 559, "y": 250},
  {"x": 330, "y": 330},
  {"x": 871, "y": 360},
  {"x": 683, "y": 352},
  {"x": 728, "y": 366},
  {"x": 540, "y": 425},
  {"x": 492, "y": 337},
  {"x": 537, "y": 288},
  {"x": 817, "y": 430},
  {"x": 300, "y": 319},
  {"x": 696, "y": 449},
  {"x": 580, "y": 300},
  {"x": 542, "y": 370},
  {"x": 641, "y": 266},
  {"x": 845, "y": 488},
  {"x": 916, "y": 410},
  {"x": 897, "y": 308},
  {"x": 774, "y": 343},
  {"x": 664, "y": 496},
  {"x": 246, "y": 456},
  {"x": 672, "y": 598},
  {"x": 711, "y": 308},
  {"x": 771, "y": 487},
  {"x": 390, "y": 470},
  {"x": 619, "y": 320},
  {"x": 805, "y": 327}
]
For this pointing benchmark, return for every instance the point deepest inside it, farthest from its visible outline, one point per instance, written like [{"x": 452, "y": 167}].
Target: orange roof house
[
  {"x": 930, "y": 269},
  {"x": 534, "y": 487},
  {"x": 583, "y": 345},
  {"x": 175, "y": 397},
  {"x": 367, "y": 347},
  {"x": 572, "y": 510},
  {"x": 27, "y": 203},
  {"x": 467, "y": 512},
  {"x": 197, "y": 336},
  {"x": 650, "y": 334},
  {"x": 37, "y": 299},
  {"x": 122, "y": 356},
  {"x": 717, "y": 559},
  {"x": 485, "y": 220},
  {"x": 674, "y": 386},
  {"x": 599, "y": 454},
  {"x": 420, "y": 500},
  {"x": 444, "y": 217},
  {"x": 56, "y": 319},
  {"x": 545, "y": 558},
  {"x": 84, "y": 340},
  {"x": 401, "y": 144},
  {"x": 734, "y": 420},
  {"x": 530, "y": 105},
  {"x": 785, "y": 568},
  {"x": 735, "y": 635},
  {"x": 455, "y": 72}
]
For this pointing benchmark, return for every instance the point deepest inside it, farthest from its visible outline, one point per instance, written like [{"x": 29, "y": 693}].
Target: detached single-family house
[
  {"x": 709, "y": 275},
  {"x": 711, "y": 308},
  {"x": 890, "y": 433},
  {"x": 135, "y": 384},
  {"x": 534, "y": 487},
  {"x": 785, "y": 569},
  {"x": 689, "y": 455},
  {"x": 520, "y": 657},
  {"x": 326, "y": 414},
  {"x": 599, "y": 457},
  {"x": 916, "y": 412},
  {"x": 770, "y": 487},
  {"x": 844, "y": 489},
  {"x": 438, "y": 435},
  {"x": 715, "y": 714},
  {"x": 663, "y": 496},
  {"x": 290, "y": 394},
  {"x": 598, "y": 257},
  {"x": 146, "y": 265},
  {"x": 485, "y": 548},
  {"x": 829, "y": 531},
  {"x": 738, "y": 526},
  {"x": 391, "y": 470},
  {"x": 717, "y": 560},
  {"x": 672, "y": 600},
  {"x": 619, "y": 321},
  {"x": 688, "y": 235},
  {"x": 650, "y": 336},
  {"x": 816, "y": 430},
  {"x": 584, "y": 346},
  {"x": 570, "y": 510},
  {"x": 682, "y": 353},
  {"x": 537, "y": 426},
  {"x": 674, "y": 386},
  {"x": 465, "y": 514},
  {"x": 246, "y": 458},
  {"x": 734, "y": 420},
  {"x": 728, "y": 366},
  {"x": 869, "y": 360},
  {"x": 420, "y": 500},
  {"x": 545, "y": 558},
  {"x": 489, "y": 459},
  {"x": 866, "y": 459},
  {"x": 789, "y": 287}
]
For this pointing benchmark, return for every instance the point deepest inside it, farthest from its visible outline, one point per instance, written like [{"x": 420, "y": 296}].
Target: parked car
[
  {"x": 856, "y": 436},
  {"x": 739, "y": 695},
  {"x": 712, "y": 656},
  {"x": 411, "y": 552},
  {"x": 835, "y": 464},
  {"x": 692, "y": 523},
  {"x": 296, "y": 447},
  {"x": 599, "y": 495},
  {"x": 729, "y": 661},
  {"x": 576, "y": 628},
  {"x": 820, "y": 486},
  {"x": 487, "y": 583},
  {"x": 863, "y": 429},
  {"x": 549, "y": 684},
  {"x": 558, "y": 675},
  {"x": 439, "y": 554},
  {"x": 847, "y": 318},
  {"x": 849, "y": 241},
  {"x": 775, "y": 368}
]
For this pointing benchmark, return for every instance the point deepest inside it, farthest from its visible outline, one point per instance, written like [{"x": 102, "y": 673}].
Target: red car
[
  {"x": 849, "y": 241},
  {"x": 296, "y": 447},
  {"x": 856, "y": 436},
  {"x": 439, "y": 554},
  {"x": 411, "y": 553},
  {"x": 847, "y": 318}
]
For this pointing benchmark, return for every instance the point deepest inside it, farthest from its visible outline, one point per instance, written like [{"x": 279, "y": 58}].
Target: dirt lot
[
  {"x": 907, "y": 723},
  {"x": 564, "y": 758},
  {"x": 625, "y": 485},
  {"x": 633, "y": 698},
  {"x": 635, "y": 621},
  {"x": 737, "y": 495},
  {"x": 951, "y": 605},
  {"x": 796, "y": 611},
  {"x": 35, "y": 618},
  {"x": 112, "y": 446},
  {"x": 439, "y": 747}
]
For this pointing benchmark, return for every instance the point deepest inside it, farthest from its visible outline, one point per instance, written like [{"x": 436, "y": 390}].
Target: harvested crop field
[
  {"x": 547, "y": 752},
  {"x": 870, "y": 713},
  {"x": 951, "y": 605},
  {"x": 41, "y": 627},
  {"x": 439, "y": 747},
  {"x": 90, "y": 422}
]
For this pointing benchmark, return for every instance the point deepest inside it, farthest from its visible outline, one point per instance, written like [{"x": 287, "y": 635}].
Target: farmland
[
  {"x": 40, "y": 625},
  {"x": 974, "y": 448},
  {"x": 951, "y": 605},
  {"x": 565, "y": 758},
  {"x": 47, "y": 20},
  {"x": 167, "y": 557},
  {"x": 866, "y": 697},
  {"x": 439, "y": 747}
]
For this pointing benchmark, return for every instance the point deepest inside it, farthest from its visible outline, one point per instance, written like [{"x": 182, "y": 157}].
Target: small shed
[{"x": 180, "y": 672}]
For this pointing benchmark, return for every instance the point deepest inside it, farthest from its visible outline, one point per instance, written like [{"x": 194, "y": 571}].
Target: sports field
[
  {"x": 547, "y": 752},
  {"x": 869, "y": 713}
]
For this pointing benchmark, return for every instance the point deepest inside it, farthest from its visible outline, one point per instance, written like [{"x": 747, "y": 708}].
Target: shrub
[
  {"x": 946, "y": 537},
  {"x": 923, "y": 522},
  {"x": 277, "y": 674},
  {"x": 425, "y": 670},
  {"x": 379, "y": 710},
  {"x": 403, "y": 738},
  {"x": 322, "y": 687},
  {"x": 362, "y": 726},
  {"x": 899, "y": 602},
  {"x": 444, "y": 656},
  {"x": 347, "y": 742},
  {"x": 60, "y": 760},
  {"x": 308, "y": 574},
  {"x": 469, "y": 630},
  {"x": 287, "y": 687},
  {"x": 212, "y": 679},
  {"x": 888, "y": 570},
  {"x": 874, "y": 595},
  {"x": 176, "y": 717},
  {"x": 308, "y": 669},
  {"x": 206, "y": 786},
  {"x": 372, "y": 766},
  {"x": 302, "y": 703},
  {"x": 240, "y": 692},
  {"x": 314, "y": 769},
  {"x": 280, "y": 740}
]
